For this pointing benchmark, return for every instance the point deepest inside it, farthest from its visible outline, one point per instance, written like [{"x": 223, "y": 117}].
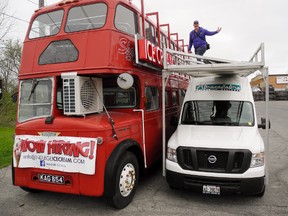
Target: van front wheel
[
  {"x": 261, "y": 194},
  {"x": 126, "y": 176}
]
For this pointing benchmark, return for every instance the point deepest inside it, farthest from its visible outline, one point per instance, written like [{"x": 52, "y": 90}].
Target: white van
[{"x": 217, "y": 148}]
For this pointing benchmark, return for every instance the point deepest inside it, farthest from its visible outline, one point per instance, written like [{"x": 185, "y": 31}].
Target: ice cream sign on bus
[
  {"x": 68, "y": 154},
  {"x": 150, "y": 53}
]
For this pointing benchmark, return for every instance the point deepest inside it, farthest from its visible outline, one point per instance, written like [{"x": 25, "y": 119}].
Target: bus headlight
[
  {"x": 257, "y": 160},
  {"x": 172, "y": 154}
]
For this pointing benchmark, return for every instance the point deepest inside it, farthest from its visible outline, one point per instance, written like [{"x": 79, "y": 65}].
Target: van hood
[{"x": 217, "y": 137}]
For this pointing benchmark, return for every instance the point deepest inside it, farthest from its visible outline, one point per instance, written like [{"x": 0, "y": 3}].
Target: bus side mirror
[
  {"x": 263, "y": 124},
  {"x": 174, "y": 121},
  {"x": 14, "y": 97}
]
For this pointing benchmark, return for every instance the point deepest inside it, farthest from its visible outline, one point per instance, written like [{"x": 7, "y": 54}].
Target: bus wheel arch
[{"x": 126, "y": 156}]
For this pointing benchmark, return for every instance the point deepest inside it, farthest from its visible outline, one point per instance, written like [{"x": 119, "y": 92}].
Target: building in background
[{"x": 278, "y": 81}]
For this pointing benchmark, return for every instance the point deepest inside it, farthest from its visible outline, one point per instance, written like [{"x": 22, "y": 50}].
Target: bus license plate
[
  {"x": 211, "y": 189},
  {"x": 54, "y": 179}
]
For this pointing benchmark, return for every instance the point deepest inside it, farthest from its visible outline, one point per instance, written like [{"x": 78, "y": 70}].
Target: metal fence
[{"x": 274, "y": 96}]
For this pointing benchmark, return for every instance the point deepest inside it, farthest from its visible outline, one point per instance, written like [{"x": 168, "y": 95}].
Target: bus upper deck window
[
  {"x": 46, "y": 24},
  {"x": 86, "y": 17},
  {"x": 126, "y": 20}
]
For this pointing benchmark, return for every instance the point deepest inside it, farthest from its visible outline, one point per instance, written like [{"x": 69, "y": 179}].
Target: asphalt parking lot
[{"x": 154, "y": 197}]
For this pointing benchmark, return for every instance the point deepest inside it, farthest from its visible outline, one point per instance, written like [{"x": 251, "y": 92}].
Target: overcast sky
[{"x": 245, "y": 24}]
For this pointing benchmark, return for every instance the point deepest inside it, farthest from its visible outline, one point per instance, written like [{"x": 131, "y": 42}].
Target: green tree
[{"x": 10, "y": 58}]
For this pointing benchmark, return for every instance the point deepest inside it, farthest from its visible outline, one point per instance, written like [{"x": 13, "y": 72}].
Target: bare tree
[
  {"x": 10, "y": 58},
  {"x": 5, "y": 21}
]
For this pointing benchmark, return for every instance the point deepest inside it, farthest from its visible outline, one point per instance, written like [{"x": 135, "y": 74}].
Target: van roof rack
[
  {"x": 199, "y": 66},
  {"x": 175, "y": 62}
]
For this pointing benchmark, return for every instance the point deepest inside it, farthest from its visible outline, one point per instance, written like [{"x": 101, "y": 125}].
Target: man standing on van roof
[{"x": 197, "y": 38}]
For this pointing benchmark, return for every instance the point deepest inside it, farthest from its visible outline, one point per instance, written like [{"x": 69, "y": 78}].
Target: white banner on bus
[{"x": 66, "y": 154}]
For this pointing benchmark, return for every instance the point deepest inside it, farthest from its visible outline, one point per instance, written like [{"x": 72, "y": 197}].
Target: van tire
[
  {"x": 126, "y": 181},
  {"x": 174, "y": 187},
  {"x": 261, "y": 194}
]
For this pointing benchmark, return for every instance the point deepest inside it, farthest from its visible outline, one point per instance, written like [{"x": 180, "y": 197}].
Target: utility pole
[{"x": 41, "y": 3}]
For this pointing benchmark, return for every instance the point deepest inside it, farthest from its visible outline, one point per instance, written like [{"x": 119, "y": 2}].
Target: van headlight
[
  {"x": 257, "y": 160},
  {"x": 172, "y": 154}
]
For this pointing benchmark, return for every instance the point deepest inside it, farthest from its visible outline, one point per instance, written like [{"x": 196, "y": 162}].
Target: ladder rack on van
[
  {"x": 199, "y": 66},
  {"x": 175, "y": 62}
]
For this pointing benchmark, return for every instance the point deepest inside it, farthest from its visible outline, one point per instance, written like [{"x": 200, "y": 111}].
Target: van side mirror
[
  {"x": 263, "y": 124},
  {"x": 174, "y": 121},
  {"x": 14, "y": 97}
]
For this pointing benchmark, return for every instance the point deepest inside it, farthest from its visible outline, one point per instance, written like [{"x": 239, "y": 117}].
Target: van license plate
[
  {"x": 211, "y": 189},
  {"x": 54, "y": 179}
]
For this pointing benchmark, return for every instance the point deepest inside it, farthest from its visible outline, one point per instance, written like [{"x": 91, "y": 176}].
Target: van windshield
[{"x": 228, "y": 113}]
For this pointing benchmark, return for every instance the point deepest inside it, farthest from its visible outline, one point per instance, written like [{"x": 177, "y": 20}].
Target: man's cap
[{"x": 196, "y": 22}]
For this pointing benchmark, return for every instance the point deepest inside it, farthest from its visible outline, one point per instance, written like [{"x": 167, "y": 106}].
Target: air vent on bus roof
[{"x": 82, "y": 95}]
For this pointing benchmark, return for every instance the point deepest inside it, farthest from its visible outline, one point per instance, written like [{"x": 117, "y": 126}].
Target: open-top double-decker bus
[{"x": 89, "y": 103}]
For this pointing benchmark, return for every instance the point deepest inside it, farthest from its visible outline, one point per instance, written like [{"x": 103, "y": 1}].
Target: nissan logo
[{"x": 212, "y": 159}]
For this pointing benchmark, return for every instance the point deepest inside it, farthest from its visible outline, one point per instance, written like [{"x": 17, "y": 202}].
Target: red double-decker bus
[{"x": 89, "y": 103}]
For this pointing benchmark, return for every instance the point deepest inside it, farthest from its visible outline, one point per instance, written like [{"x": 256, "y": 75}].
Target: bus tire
[
  {"x": 126, "y": 181},
  {"x": 30, "y": 190}
]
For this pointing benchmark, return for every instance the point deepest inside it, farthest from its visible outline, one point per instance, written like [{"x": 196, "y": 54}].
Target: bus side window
[
  {"x": 152, "y": 98},
  {"x": 172, "y": 46},
  {"x": 150, "y": 32},
  {"x": 167, "y": 99},
  {"x": 175, "y": 100},
  {"x": 181, "y": 96},
  {"x": 126, "y": 20},
  {"x": 59, "y": 97},
  {"x": 163, "y": 41}
]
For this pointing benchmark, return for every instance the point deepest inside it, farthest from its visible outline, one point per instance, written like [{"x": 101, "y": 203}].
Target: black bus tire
[
  {"x": 30, "y": 190},
  {"x": 126, "y": 181}
]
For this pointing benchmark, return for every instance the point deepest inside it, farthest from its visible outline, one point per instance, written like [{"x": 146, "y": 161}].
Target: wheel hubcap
[{"x": 127, "y": 180}]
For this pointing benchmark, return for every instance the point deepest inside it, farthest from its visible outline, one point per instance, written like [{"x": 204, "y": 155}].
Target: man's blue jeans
[{"x": 200, "y": 51}]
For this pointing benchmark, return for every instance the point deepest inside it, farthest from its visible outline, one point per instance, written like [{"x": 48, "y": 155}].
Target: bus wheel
[
  {"x": 30, "y": 190},
  {"x": 127, "y": 176}
]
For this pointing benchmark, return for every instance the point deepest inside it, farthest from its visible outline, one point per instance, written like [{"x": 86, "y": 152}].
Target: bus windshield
[
  {"x": 228, "y": 113},
  {"x": 46, "y": 24},
  {"x": 86, "y": 17},
  {"x": 35, "y": 99}
]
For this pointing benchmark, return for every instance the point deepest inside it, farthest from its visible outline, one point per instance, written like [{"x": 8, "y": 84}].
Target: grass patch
[{"x": 6, "y": 145}]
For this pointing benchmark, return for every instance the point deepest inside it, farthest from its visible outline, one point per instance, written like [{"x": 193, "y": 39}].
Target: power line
[
  {"x": 32, "y": 2},
  {"x": 14, "y": 17}
]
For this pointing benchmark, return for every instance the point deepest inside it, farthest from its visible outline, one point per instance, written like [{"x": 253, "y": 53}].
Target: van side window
[
  {"x": 152, "y": 98},
  {"x": 126, "y": 20}
]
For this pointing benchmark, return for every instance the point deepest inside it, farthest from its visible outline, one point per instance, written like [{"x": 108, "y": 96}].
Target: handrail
[{"x": 259, "y": 51}]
